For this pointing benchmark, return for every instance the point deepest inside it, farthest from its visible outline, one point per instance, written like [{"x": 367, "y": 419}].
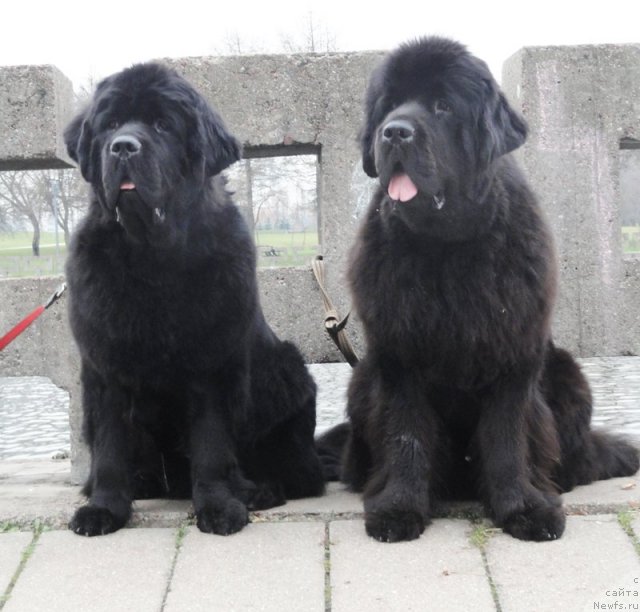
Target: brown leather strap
[{"x": 332, "y": 323}]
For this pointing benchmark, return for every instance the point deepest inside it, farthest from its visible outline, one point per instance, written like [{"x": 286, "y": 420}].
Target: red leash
[{"x": 29, "y": 319}]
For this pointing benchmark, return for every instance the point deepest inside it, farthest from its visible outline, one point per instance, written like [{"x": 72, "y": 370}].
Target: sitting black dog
[
  {"x": 462, "y": 392},
  {"x": 186, "y": 389}
]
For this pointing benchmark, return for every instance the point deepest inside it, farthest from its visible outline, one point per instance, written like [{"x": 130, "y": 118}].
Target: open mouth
[
  {"x": 128, "y": 186},
  {"x": 401, "y": 188}
]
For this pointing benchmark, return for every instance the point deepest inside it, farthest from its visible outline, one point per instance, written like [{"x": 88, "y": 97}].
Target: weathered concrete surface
[
  {"x": 320, "y": 562},
  {"x": 126, "y": 571},
  {"x": 43, "y": 491},
  {"x": 35, "y": 104},
  {"x": 310, "y": 102},
  {"x": 12, "y": 546},
  {"x": 580, "y": 102},
  {"x": 442, "y": 570},
  {"x": 272, "y": 567},
  {"x": 594, "y": 557}
]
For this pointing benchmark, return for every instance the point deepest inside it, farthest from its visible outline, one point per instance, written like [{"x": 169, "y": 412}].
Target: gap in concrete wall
[
  {"x": 276, "y": 188},
  {"x": 630, "y": 195},
  {"x": 39, "y": 210}
]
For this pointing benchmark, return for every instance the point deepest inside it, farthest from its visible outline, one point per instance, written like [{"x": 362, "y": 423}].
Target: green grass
[
  {"x": 275, "y": 249},
  {"x": 625, "y": 520},
  {"x": 281, "y": 248},
  {"x": 38, "y": 528},
  {"x": 631, "y": 239},
  {"x": 19, "y": 242}
]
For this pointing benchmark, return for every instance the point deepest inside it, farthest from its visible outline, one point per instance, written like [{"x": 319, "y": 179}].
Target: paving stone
[
  {"x": 275, "y": 567},
  {"x": 12, "y": 545},
  {"x": 337, "y": 500},
  {"x": 441, "y": 570},
  {"x": 578, "y": 572},
  {"x": 127, "y": 570}
]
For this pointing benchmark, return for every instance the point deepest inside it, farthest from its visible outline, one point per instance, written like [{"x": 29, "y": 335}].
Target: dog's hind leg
[{"x": 586, "y": 455}]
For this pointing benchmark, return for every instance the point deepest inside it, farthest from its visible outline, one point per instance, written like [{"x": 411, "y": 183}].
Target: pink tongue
[
  {"x": 401, "y": 188},
  {"x": 127, "y": 186}
]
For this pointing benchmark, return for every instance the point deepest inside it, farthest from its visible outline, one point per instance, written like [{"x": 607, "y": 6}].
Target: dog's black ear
[
  {"x": 375, "y": 107},
  {"x": 77, "y": 138},
  {"x": 220, "y": 148},
  {"x": 503, "y": 129}
]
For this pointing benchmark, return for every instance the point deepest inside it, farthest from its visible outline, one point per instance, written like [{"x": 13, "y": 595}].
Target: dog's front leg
[
  {"x": 402, "y": 431},
  {"x": 108, "y": 487},
  {"x": 517, "y": 505},
  {"x": 215, "y": 472}
]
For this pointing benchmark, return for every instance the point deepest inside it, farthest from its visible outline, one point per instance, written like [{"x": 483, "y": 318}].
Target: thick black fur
[
  {"x": 462, "y": 392},
  {"x": 186, "y": 390}
]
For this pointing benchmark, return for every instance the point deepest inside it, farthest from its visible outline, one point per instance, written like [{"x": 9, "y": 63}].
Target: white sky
[{"x": 93, "y": 38}]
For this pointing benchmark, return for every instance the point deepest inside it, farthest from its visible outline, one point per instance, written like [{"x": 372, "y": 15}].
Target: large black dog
[
  {"x": 186, "y": 390},
  {"x": 462, "y": 392}
]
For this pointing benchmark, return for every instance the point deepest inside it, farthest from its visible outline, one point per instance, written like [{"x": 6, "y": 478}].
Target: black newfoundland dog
[
  {"x": 186, "y": 390},
  {"x": 462, "y": 392}
]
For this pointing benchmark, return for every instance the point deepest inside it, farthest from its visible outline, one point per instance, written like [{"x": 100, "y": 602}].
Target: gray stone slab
[
  {"x": 441, "y": 570},
  {"x": 127, "y": 570},
  {"x": 604, "y": 496},
  {"x": 35, "y": 105},
  {"x": 12, "y": 545},
  {"x": 336, "y": 501},
  {"x": 580, "y": 102},
  {"x": 33, "y": 490},
  {"x": 593, "y": 558},
  {"x": 278, "y": 567}
]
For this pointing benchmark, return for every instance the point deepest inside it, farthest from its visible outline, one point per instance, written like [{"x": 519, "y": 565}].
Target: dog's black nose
[
  {"x": 398, "y": 131},
  {"x": 125, "y": 145}
]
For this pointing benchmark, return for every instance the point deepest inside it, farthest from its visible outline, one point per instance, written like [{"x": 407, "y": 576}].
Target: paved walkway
[{"x": 311, "y": 555}]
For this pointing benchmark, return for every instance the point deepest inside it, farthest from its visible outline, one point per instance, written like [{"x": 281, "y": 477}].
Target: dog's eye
[
  {"x": 441, "y": 106},
  {"x": 113, "y": 124},
  {"x": 161, "y": 125}
]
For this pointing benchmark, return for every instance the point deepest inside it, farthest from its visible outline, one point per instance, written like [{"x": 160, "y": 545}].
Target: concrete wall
[{"x": 579, "y": 101}]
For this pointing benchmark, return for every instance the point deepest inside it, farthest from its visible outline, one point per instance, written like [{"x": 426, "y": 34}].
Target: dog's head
[
  {"x": 436, "y": 124},
  {"x": 148, "y": 143}
]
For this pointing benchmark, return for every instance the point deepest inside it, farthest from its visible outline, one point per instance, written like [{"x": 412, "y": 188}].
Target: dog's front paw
[
  {"x": 539, "y": 523},
  {"x": 394, "y": 525},
  {"x": 94, "y": 520},
  {"x": 225, "y": 520}
]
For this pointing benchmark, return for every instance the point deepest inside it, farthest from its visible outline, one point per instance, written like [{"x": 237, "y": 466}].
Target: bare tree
[
  {"x": 29, "y": 195},
  {"x": 313, "y": 37},
  {"x": 22, "y": 198}
]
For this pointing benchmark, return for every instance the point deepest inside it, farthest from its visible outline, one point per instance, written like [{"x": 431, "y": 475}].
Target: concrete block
[
  {"x": 580, "y": 102},
  {"x": 35, "y": 104},
  {"x": 440, "y": 571},
  {"x": 593, "y": 558},
  {"x": 12, "y": 547},
  {"x": 275, "y": 566},
  {"x": 126, "y": 570},
  {"x": 310, "y": 101}
]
